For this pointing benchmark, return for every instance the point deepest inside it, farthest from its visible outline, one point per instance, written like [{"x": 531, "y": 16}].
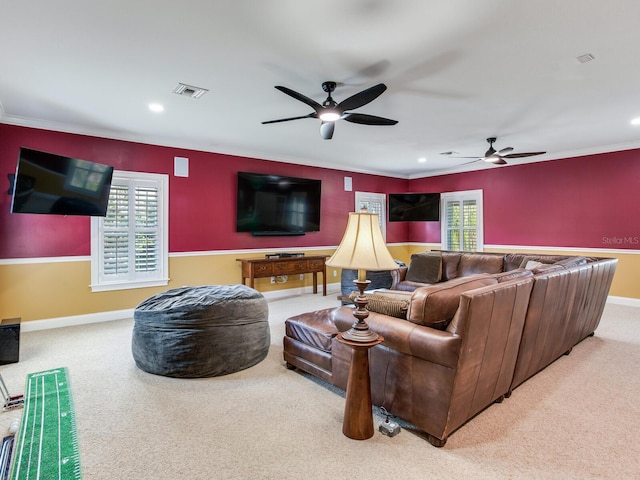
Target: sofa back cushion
[
  {"x": 471, "y": 263},
  {"x": 450, "y": 261},
  {"x": 435, "y": 305},
  {"x": 425, "y": 267}
]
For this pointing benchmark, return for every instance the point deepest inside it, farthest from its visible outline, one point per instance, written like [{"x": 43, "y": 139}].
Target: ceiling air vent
[
  {"x": 587, "y": 57},
  {"x": 189, "y": 90}
]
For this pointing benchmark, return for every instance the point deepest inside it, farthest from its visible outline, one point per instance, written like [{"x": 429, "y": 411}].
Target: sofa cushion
[
  {"x": 572, "y": 262},
  {"x": 513, "y": 274},
  {"x": 471, "y": 263},
  {"x": 313, "y": 328},
  {"x": 512, "y": 261},
  {"x": 392, "y": 303},
  {"x": 435, "y": 305},
  {"x": 425, "y": 268},
  {"x": 450, "y": 261}
]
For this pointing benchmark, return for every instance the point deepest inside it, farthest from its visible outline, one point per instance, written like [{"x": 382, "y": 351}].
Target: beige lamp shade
[{"x": 362, "y": 246}]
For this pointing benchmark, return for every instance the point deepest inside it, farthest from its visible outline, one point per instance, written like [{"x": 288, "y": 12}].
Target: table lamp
[{"x": 362, "y": 248}]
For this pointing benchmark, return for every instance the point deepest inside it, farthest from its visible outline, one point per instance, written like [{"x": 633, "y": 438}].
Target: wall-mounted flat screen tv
[
  {"x": 277, "y": 205},
  {"x": 414, "y": 207},
  {"x": 55, "y": 184}
]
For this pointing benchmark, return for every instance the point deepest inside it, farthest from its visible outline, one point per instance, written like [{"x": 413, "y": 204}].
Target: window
[
  {"x": 374, "y": 203},
  {"x": 461, "y": 224},
  {"x": 129, "y": 246}
]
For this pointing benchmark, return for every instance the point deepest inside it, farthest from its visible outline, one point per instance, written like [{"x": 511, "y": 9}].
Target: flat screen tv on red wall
[
  {"x": 414, "y": 207},
  {"x": 47, "y": 183},
  {"x": 277, "y": 205}
]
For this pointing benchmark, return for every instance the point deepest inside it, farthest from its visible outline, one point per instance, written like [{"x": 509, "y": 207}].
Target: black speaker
[{"x": 9, "y": 341}]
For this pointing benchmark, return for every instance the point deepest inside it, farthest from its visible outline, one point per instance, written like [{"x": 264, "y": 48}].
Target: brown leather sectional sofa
[{"x": 465, "y": 341}]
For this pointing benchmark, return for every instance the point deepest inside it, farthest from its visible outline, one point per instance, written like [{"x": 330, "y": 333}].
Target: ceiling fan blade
[
  {"x": 326, "y": 130},
  {"x": 504, "y": 151},
  {"x": 365, "y": 119},
  {"x": 362, "y": 98},
  {"x": 298, "y": 96},
  {"x": 521, "y": 155},
  {"x": 311, "y": 115}
]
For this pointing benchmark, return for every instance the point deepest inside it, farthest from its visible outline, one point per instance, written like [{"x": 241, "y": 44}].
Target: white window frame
[
  {"x": 461, "y": 196},
  {"x": 160, "y": 277},
  {"x": 364, "y": 199}
]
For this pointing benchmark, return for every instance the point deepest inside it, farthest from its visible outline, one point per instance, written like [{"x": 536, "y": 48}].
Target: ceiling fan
[
  {"x": 498, "y": 157},
  {"x": 330, "y": 111}
]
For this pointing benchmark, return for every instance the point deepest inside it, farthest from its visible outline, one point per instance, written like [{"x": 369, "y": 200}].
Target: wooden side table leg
[
  {"x": 324, "y": 282},
  {"x": 315, "y": 282},
  {"x": 358, "y": 417}
]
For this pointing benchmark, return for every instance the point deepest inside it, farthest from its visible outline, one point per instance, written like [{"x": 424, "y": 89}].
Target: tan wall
[{"x": 37, "y": 291}]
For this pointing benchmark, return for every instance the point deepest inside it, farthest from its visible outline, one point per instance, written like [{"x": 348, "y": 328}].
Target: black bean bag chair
[{"x": 202, "y": 331}]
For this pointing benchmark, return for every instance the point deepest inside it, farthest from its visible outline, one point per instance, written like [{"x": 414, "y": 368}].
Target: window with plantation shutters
[
  {"x": 461, "y": 225},
  {"x": 374, "y": 203},
  {"x": 129, "y": 247}
]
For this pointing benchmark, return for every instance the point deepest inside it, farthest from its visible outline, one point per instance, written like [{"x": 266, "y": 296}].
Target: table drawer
[
  {"x": 316, "y": 265},
  {"x": 262, "y": 270},
  {"x": 290, "y": 266}
]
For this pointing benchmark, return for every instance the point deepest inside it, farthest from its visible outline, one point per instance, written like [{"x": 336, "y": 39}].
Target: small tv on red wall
[
  {"x": 414, "y": 207},
  {"x": 48, "y": 183},
  {"x": 277, "y": 205}
]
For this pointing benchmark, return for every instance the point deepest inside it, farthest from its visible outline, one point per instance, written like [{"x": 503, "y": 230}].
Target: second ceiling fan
[
  {"x": 498, "y": 157},
  {"x": 330, "y": 111}
]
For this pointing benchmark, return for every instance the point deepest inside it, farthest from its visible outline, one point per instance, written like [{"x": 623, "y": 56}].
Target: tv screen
[
  {"x": 54, "y": 184},
  {"x": 414, "y": 207},
  {"x": 277, "y": 205}
]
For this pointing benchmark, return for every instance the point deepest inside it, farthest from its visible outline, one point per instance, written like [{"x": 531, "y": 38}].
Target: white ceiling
[{"x": 457, "y": 72}]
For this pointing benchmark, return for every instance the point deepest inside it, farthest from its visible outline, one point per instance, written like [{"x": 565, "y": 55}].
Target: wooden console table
[{"x": 273, "y": 267}]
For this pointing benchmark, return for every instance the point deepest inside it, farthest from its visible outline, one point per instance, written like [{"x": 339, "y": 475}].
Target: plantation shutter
[
  {"x": 374, "y": 203},
  {"x": 116, "y": 233},
  {"x": 462, "y": 226},
  {"x": 131, "y": 243}
]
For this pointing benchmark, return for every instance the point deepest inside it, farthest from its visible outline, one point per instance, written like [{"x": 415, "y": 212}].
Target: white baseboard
[
  {"x": 289, "y": 292},
  {"x": 629, "y": 302},
  {"x": 75, "y": 320}
]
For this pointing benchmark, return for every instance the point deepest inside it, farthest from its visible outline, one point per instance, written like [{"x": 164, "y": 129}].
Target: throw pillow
[
  {"x": 533, "y": 258},
  {"x": 532, "y": 264},
  {"x": 392, "y": 304},
  {"x": 425, "y": 268}
]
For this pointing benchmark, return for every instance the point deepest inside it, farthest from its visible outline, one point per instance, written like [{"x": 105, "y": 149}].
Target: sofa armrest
[
  {"x": 398, "y": 276},
  {"x": 436, "y": 346}
]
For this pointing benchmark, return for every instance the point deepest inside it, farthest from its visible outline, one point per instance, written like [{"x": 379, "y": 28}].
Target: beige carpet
[{"x": 578, "y": 419}]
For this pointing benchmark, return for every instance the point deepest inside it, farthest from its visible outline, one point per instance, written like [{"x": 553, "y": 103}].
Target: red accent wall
[
  {"x": 589, "y": 201},
  {"x": 201, "y": 206},
  {"x": 585, "y": 202}
]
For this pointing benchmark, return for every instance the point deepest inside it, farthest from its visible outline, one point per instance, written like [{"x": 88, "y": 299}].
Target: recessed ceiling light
[
  {"x": 635, "y": 121},
  {"x": 156, "y": 107},
  {"x": 422, "y": 160}
]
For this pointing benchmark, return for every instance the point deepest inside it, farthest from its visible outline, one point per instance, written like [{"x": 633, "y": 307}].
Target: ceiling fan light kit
[{"x": 330, "y": 111}]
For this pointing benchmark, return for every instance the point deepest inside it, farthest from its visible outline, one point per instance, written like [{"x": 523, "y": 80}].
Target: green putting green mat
[{"x": 47, "y": 442}]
